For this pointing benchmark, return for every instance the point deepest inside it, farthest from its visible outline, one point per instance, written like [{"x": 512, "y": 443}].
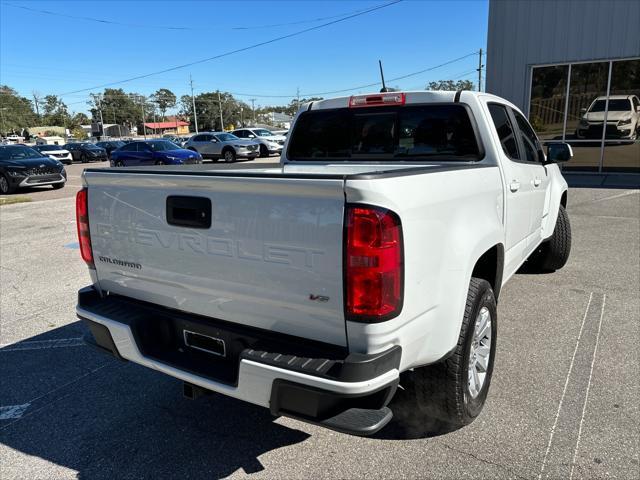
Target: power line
[
  {"x": 105, "y": 21},
  {"x": 243, "y": 49}
]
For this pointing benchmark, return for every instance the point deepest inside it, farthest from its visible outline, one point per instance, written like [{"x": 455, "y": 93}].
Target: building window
[{"x": 591, "y": 106}]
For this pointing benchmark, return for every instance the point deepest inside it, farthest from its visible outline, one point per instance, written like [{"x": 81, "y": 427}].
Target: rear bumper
[{"x": 313, "y": 382}]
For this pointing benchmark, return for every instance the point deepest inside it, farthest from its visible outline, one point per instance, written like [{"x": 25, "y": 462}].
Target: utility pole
[
  {"x": 253, "y": 110},
  {"x": 480, "y": 70},
  {"x": 241, "y": 121},
  {"x": 144, "y": 127},
  {"x": 101, "y": 121},
  {"x": 193, "y": 101},
  {"x": 220, "y": 108}
]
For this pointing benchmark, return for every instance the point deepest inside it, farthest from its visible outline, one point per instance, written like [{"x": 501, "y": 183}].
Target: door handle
[
  {"x": 536, "y": 182},
  {"x": 514, "y": 186}
]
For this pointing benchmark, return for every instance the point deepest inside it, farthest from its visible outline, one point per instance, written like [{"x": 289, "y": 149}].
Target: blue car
[{"x": 153, "y": 152}]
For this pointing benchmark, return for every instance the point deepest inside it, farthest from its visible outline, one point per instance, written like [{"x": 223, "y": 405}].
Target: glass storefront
[{"x": 595, "y": 107}]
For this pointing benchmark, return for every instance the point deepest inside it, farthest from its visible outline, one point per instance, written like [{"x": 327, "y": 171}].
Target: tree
[
  {"x": 451, "y": 85},
  {"x": 117, "y": 107},
  {"x": 54, "y": 111},
  {"x": 165, "y": 99},
  {"x": 16, "y": 112}
]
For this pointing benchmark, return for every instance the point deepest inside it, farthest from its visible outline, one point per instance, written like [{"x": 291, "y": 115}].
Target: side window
[
  {"x": 530, "y": 141},
  {"x": 207, "y": 138},
  {"x": 636, "y": 103},
  {"x": 505, "y": 130},
  {"x": 241, "y": 133}
]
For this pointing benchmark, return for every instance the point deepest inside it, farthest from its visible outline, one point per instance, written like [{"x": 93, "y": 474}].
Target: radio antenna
[{"x": 384, "y": 87}]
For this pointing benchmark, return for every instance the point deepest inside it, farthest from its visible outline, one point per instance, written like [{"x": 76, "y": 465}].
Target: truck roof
[{"x": 412, "y": 97}]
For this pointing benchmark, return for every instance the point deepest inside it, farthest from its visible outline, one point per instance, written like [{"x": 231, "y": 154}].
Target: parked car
[
  {"x": 153, "y": 152},
  {"x": 223, "y": 145},
  {"x": 110, "y": 145},
  {"x": 86, "y": 152},
  {"x": 280, "y": 132},
  {"x": 372, "y": 257},
  {"x": 56, "y": 152},
  {"x": 269, "y": 143},
  {"x": 22, "y": 166},
  {"x": 623, "y": 118}
]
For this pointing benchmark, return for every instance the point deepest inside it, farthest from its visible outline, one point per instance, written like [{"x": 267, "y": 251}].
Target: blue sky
[{"x": 57, "y": 54}]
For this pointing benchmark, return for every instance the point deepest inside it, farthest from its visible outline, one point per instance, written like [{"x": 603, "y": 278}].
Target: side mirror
[
  {"x": 214, "y": 140},
  {"x": 559, "y": 152},
  {"x": 251, "y": 135}
]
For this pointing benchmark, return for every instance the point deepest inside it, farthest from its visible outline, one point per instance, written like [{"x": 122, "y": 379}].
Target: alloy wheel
[{"x": 479, "y": 352}]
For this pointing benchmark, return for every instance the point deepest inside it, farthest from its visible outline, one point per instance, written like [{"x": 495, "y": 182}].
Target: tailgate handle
[{"x": 192, "y": 212}]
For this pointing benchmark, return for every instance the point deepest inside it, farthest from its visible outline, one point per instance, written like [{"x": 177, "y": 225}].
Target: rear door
[
  {"x": 271, "y": 257},
  {"x": 534, "y": 157},
  {"x": 519, "y": 186}
]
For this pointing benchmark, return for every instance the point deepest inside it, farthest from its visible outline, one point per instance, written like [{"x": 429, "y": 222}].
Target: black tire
[
  {"x": 58, "y": 186},
  {"x": 437, "y": 397},
  {"x": 160, "y": 162},
  {"x": 5, "y": 186},
  {"x": 83, "y": 158},
  {"x": 229, "y": 155},
  {"x": 553, "y": 253},
  {"x": 264, "y": 151},
  {"x": 118, "y": 163}
]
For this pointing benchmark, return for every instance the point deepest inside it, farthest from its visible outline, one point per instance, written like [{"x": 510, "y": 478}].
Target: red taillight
[
  {"x": 82, "y": 220},
  {"x": 373, "y": 264},
  {"x": 377, "y": 99}
]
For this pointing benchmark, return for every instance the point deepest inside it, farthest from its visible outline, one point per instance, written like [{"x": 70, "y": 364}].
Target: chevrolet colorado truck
[{"x": 372, "y": 257}]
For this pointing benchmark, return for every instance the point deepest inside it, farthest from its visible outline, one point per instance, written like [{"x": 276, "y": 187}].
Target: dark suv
[
  {"x": 21, "y": 166},
  {"x": 110, "y": 145},
  {"x": 86, "y": 152}
]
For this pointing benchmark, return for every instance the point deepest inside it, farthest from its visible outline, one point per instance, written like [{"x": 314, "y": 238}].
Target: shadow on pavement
[{"x": 109, "y": 419}]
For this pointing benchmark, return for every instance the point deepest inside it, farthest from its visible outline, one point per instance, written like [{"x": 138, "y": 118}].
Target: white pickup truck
[{"x": 372, "y": 257}]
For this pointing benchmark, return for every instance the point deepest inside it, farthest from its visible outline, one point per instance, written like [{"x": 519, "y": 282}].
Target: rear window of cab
[{"x": 403, "y": 133}]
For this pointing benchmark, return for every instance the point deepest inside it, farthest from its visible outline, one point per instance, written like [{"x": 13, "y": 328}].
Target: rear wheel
[
  {"x": 5, "y": 186},
  {"x": 450, "y": 394},
  {"x": 553, "y": 253},
  {"x": 264, "y": 151},
  {"x": 229, "y": 155},
  {"x": 83, "y": 158},
  {"x": 118, "y": 163}
]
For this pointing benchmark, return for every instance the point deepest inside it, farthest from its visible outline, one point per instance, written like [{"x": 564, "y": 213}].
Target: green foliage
[
  {"x": 78, "y": 133},
  {"x": 16, "y": 112},
  {"x": 451, "y": 85},
  {"x": 54, "y": 111},
  {"x": 165, "y": 99}
]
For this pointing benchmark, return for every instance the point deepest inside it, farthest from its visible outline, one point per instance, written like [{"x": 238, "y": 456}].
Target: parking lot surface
[{"x": 563, "y": 401}]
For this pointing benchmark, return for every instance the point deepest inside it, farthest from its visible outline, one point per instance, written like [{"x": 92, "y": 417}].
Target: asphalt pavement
[{"x": 563, "y": 402}]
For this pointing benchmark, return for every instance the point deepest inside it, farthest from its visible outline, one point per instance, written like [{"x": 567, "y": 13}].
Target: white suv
[{"x": 269, "y": 143}]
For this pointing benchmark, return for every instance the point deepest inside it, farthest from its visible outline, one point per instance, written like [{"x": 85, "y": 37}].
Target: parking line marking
[
  {"x": 71, "y": 382},
  {"x": 564, "y": 390},
  {"x": 10, "y": 412},
  {"x": 586, "y": 397},
  {"x": 42, "y": 344}
]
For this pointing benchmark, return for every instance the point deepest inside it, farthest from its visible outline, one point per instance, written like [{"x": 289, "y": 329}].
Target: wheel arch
[{"x": 490, "y": 266}]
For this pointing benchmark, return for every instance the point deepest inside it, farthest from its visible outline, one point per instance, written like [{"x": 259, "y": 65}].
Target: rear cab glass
[{"x": 403, "y": 133}]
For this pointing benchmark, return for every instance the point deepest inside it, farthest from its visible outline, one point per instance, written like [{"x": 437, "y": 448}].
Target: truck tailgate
[{"x": 271, "y": 257}]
